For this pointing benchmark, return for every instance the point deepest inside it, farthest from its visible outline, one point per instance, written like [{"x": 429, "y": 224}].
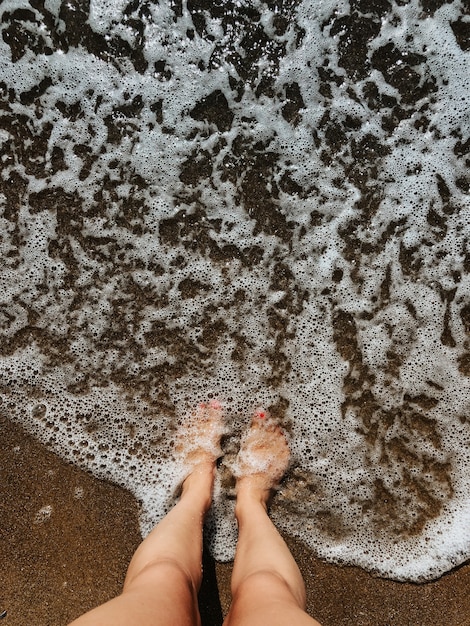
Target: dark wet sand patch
[{"x": 56, "y": 567}]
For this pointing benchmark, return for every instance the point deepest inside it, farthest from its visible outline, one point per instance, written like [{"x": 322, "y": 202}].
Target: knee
[
  {"x": 266, "y": 586},
  {"x": 167, "y": 572},
  {"x": 265, "y": 597}
]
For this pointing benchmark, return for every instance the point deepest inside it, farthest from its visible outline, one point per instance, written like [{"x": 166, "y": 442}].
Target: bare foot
[
  {"x": 198, "y": 442},
  {"x": 263, "y": 458}
]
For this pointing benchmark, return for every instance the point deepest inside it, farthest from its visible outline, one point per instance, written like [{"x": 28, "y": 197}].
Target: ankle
[
  {"x": 199, "y": 484},
  {"x": 251, "y": 495}
]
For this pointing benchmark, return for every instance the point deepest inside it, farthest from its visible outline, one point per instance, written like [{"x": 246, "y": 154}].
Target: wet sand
[{"x": 73, "y": 556}]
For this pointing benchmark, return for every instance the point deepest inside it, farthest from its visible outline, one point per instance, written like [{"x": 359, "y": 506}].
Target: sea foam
[{"x": 262, "y": 202}]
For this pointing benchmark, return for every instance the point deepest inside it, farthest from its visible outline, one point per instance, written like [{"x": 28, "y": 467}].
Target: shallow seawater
[{"x": 263, "y": 202}]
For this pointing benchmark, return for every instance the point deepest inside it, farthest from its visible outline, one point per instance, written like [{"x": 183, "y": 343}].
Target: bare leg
[
  {"x": 267, "y": 586},
  {"x": 165, "y": 572}
]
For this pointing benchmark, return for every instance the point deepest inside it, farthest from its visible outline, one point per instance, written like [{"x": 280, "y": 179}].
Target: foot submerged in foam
[
  {"x": 198, "y": 440},
  {"x": 263, "y": 457}
]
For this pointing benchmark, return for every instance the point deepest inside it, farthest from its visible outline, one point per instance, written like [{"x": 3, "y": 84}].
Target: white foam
[{"x": 135, "y": 318}]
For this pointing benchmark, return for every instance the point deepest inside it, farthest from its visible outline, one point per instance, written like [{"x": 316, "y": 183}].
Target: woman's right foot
[{"x": 263, "y": 458}]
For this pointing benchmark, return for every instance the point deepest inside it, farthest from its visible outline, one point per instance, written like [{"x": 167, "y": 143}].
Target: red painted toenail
[{"x": 261, "y": 415}]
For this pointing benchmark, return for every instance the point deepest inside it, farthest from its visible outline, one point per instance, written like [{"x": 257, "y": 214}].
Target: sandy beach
[
  {"x": 267, "y": 203},
  {"x": 67, "y": 539}
]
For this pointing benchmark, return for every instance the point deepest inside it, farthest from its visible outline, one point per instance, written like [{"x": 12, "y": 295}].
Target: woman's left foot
[{"x": 198, "y": 443}]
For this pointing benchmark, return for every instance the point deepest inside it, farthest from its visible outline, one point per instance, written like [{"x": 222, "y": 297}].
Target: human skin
[{"x": 165, "y": 573}]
